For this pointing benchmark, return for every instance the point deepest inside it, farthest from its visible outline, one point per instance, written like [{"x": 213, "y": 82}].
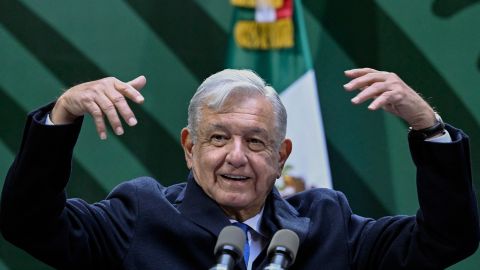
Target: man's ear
[
  {"x": 187, "y": 144},
  {"x": 284, "y": 151}
]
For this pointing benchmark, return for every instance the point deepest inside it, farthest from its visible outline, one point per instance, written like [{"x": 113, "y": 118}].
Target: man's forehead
[
  {"x": 225, "y": 126},
  {"x": 248, "y": 114}
]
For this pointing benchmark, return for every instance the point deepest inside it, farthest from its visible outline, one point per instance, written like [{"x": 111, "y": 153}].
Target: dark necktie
[{"x": 246, "y": 248}]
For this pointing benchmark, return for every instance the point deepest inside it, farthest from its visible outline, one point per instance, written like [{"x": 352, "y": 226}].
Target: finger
[
  {"x": 357, "y": 72},
  {"x": 122, "y": 106},
  {"x": 386, "y": 100},
  {"x": 132, "y": 88},
  {"x": 109, "y": 110},
  {"x": 129, "y": 91},
  {"x": 138, "y": 83},
  {"x": 94, "y": 110},
  {"x": 378, "y": 103},
  {"x": 365, "y": 81},
  {"x": 370, "y": 92}
]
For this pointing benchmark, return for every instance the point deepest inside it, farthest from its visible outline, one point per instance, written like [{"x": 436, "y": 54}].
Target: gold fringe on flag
[
  {"x": 253, "y": 3},
  {"x": 264, "y": 36}
]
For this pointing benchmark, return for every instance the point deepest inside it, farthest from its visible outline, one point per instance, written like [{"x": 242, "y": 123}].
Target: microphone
[
  {"x": 229, "y": 247},
  {"x": 282, "y": 250}
]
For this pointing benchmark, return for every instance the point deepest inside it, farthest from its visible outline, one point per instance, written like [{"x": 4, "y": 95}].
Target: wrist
[
  {"x": 424, "y": 120},
  {"x": 434, "y": 130},
  {"x": 59, "y": 115}
]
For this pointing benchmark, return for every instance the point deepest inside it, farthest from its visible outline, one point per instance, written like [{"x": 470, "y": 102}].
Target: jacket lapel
[
  {"x": 279, "y": 214},
  {"x": 201, "y": 209}
]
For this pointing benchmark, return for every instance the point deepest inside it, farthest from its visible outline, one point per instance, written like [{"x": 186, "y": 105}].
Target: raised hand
[
  {"x": 392, "y": 94},
  {"x": 104, "y": 97}
]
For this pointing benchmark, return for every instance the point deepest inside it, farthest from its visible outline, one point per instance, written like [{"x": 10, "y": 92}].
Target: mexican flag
[{"x": 269, "y": 37}]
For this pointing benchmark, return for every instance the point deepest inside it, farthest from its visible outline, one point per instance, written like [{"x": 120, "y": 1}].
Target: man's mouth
[{"x": 235, "y": 177}]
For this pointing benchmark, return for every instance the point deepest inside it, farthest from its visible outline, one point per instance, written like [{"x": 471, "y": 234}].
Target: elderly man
[{"x": 235, "y": 147}]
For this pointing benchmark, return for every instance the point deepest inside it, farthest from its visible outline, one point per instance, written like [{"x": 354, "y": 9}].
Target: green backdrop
[{"x": 47, "y": 46}]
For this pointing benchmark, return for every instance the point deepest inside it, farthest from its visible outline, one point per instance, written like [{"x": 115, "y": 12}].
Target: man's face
[{"x": 235, "y": 159}]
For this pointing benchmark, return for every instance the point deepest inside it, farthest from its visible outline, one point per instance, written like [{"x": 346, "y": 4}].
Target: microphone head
[
  {"x": 286, "y": 240},
  {"x": 231, "y": 238}
]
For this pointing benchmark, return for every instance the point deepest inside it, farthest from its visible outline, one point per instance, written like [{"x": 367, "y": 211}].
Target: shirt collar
[{"x": 253, "y": 222}]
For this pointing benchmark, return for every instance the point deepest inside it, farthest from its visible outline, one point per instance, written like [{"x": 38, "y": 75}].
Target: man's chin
[
  {"x": 234, "y": 203},
  {"x": 237, "y": 202}
]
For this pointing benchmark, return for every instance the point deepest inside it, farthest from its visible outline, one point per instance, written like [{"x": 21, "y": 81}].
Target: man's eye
[
  {"x": 255, "y": 141},
  {"x": 218, "y": 139},
  {"x": 256, "y": 144}
]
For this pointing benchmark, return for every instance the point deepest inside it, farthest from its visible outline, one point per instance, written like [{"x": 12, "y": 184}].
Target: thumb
[{"x": 138, "y": 83}]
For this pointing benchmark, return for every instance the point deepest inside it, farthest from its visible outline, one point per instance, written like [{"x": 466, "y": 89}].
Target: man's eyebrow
[
  {"x": 257, "y": 130},
  {"x": 212, "y": 127},
  {"x": 250, "y": 131}
]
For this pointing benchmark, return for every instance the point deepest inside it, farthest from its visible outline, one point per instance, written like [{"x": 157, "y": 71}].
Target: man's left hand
[{"x": 392, "y": 94}]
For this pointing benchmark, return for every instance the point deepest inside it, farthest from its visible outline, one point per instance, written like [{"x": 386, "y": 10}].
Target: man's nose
[{"x": 236, "y": 155}]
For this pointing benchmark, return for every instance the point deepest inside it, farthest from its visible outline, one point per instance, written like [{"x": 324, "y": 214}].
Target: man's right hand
[{"x": 104, "y": 97}]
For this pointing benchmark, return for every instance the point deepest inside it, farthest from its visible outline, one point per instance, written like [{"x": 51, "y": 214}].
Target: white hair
[{"x": 216, "y": 89}]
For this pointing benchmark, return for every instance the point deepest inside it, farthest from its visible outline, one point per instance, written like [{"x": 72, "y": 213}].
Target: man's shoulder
[
  {"x": 316, "y": 194},
  {"x": 317, "y": 197},
  {"x": 146, "y": 187},
  {"x": 147, "y": 182}
]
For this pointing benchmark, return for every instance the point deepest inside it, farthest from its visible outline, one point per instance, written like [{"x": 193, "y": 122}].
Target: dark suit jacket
[{"x": 143, "y": 225}]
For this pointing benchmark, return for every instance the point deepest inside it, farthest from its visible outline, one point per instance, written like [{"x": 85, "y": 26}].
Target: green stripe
[
  {"x": 478, "y": 63},
  {"x": 365, "y": 149},
  {"x": 6, "y": 159},
  {"x": 41, "y": 85},
  {"x": 15, "y": 258},
  {"x": 353, "y": 28},
  {"x": 219, "y": 11},
  {"x": 401, "y": 165},
  {"x": 3, "y": 266},
  {"x": 362, "y": 198},
  {"x": 448, "y": 8},
  {"x": 50, "y": 48},
  {"x": 190, "y": 20}
]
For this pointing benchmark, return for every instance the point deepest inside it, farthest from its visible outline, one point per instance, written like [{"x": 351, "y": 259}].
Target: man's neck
[{"x": 242, "y": 215}]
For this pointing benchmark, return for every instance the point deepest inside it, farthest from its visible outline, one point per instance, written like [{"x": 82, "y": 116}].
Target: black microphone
[
  {"x": 282, "y": 250},
  {"x": 229, "y": 247}
]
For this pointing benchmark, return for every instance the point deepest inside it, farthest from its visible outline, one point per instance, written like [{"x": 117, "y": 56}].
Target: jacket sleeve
[
  {"x": 446, "y": 227},
  {"x": 36, "y": 216}
]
